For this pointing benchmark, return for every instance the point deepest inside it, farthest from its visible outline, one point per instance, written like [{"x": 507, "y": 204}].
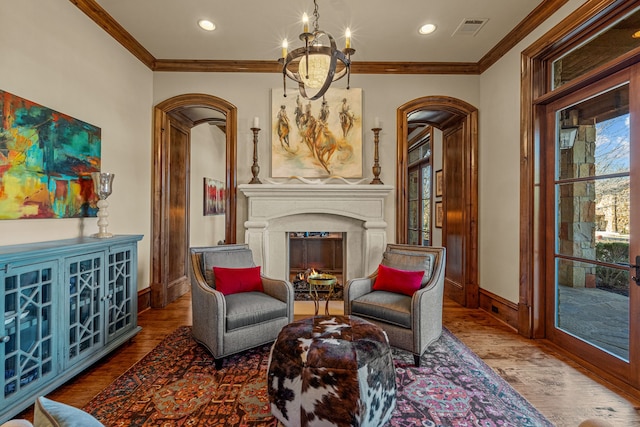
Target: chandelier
[{"x": 313, "y": 66}]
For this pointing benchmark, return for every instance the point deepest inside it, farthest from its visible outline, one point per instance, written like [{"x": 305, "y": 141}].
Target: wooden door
[
  {"x": 178, "y": 156},
  {"x": 457, "y": 195},
  {"x": 592, "y": 155}
]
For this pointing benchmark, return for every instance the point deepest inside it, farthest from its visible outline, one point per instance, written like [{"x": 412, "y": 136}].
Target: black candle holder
[
  {"x": 255, "y": 168},
  {"x": 376, "y": 158}
]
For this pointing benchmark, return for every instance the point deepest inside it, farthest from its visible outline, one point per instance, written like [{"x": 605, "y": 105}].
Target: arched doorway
[
  {"x": 458, "y": 122},
  {"x": 171, "y": 157}
]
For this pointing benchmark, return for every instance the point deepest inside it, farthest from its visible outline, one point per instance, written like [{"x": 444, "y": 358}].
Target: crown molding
[
  {"x": 369, "y": 67},
  {"x": 100, "y": 16},
  {"x": 522, "y": 30},
  {"x": 96, "y": 13},
  {"x": 217, "y": 66},
  {"x": 357, "y": 67}
]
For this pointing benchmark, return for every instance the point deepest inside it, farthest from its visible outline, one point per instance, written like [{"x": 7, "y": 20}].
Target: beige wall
[
  {"x": 436, "y": 165},
  {"x": 499, "y": 167},
  {"x": 69, "y": 64},
  {"x": 53, "y": 55}
]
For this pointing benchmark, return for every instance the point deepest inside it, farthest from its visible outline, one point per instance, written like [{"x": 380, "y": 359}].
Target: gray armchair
[
  {"x": 229, "y": 324},
  {"x": 412, "y": 323}
]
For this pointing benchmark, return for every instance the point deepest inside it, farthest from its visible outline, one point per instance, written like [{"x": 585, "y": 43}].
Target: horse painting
[{"x": 324, "y": 137}]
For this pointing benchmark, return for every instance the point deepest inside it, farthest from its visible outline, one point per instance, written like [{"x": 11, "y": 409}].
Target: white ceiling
[{"x": 383, "y": 30}]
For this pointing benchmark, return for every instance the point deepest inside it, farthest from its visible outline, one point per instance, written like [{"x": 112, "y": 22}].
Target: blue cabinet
[{"x": 64, "y": 305}]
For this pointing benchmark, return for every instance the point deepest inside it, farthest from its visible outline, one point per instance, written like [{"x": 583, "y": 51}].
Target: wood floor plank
[{"x": 563, "y": 391}]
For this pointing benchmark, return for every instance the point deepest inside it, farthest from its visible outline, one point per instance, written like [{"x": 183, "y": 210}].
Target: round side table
[{"x": 321, "y": 281}]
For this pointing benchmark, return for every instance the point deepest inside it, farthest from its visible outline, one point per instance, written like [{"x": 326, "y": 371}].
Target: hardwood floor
[{"x": 562, "y": 390}]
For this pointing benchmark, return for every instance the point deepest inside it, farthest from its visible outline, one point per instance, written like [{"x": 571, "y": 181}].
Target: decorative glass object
[{"x": 102, "y": 185}]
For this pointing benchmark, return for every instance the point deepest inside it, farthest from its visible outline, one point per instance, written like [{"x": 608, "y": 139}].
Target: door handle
[{"x": 635, "y": 278}]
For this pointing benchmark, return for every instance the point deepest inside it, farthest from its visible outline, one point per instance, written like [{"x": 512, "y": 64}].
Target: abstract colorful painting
[
  {"x": 316, "y": 138},
  {"x": 46, "y": 160},
  {"x": 213, "y": 200}
]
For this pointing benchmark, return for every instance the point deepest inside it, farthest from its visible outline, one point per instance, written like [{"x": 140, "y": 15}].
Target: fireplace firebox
[{"x": 322, "y": 252}]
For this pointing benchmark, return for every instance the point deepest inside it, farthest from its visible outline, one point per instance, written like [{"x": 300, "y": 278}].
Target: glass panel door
[
  {"x": 593, "y": 244},
  {"x": 593, "y": 213},
  {"x": 419, "y": 192}
]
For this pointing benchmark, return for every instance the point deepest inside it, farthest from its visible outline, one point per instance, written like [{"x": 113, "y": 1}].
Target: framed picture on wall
[
  {"x": 46, "y": 161},
  {"x": 439, "y": 183},
  {"x": 439, "y": 214},
  {"x": 213, "y": 200},
  {"x": 314, "y": 139}
]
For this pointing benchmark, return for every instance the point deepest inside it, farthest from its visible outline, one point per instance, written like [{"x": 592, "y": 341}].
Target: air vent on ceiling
[{"x": 470, "y": 26}]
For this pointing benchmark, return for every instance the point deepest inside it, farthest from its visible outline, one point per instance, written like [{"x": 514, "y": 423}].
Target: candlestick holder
[
  {"x": 376, "y": 165},
  {"x": 255, "y": 168},
  {"x": 102, "y": 185}
]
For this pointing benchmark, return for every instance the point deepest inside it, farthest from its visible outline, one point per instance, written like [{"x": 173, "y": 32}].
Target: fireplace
[
  {"x": 319, "y": 251},
  {"x": 355, "y": 211}
]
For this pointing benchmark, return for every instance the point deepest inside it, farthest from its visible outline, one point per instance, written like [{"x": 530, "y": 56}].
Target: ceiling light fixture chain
[
  {"x": 316, "y": 16},
  {"x": 313, "y": 66}
]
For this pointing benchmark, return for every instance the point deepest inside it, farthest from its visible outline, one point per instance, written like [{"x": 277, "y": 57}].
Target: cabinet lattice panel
[
  {"x": 83, "y": 280},
  {"x": 120, "y": 291},
  {"x": 28, "y": 335}
]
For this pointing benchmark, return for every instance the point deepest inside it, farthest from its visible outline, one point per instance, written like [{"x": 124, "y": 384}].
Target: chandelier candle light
[
  {"x": 314, "y": 65},
  {"x": 102, "y": 185},
  {"x": 255, "y": 169}
]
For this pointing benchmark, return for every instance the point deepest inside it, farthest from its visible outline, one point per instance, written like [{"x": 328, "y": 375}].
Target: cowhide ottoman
[{"x": 332, "y": 371}]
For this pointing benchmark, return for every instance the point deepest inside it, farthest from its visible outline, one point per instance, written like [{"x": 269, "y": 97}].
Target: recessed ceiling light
[
  {"x": 206, "y": 25},
  {"x": 636, "y": 35},
  {"x": 427, "y": 29}
]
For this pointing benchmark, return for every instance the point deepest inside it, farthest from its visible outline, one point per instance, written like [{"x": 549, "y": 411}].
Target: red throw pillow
[
  {"x": 399, "y": 281},
  {"x": 235, "y": 280}
]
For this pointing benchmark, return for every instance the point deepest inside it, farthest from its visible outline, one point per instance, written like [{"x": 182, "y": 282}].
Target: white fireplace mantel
[{"x": 356, "y": 209}]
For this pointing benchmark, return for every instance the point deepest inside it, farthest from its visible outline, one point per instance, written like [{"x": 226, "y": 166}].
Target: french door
[
  {"x": 419, "y": 192},
  {"x": 592, "y": 193}
]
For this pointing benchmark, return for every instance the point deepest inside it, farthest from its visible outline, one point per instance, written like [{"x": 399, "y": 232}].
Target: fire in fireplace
[{"x": 315, "y": 253}]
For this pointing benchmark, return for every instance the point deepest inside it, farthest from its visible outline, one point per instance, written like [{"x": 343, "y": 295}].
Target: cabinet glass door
[
  {"x": 27, "y": 335},
  {"x": 121, "y": 314},
  {"x": 83, "y": 279}
]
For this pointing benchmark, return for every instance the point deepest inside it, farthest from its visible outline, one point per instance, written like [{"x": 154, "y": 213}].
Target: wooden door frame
[
  {"x": 468, "y": 115},
  {"x": 534, "y": 95},
  {"x": 160, "y": 212}
]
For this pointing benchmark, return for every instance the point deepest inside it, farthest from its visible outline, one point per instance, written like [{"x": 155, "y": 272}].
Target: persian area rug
[{"x": 176, "y": 384}]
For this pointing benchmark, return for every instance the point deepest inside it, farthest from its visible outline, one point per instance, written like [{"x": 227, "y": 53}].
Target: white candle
[
  {"x": 285, "y": 46},
  {"x": 376, "y": 122},
  {"x": 347, "y": 36},
  {"x": 256, "y": 122},
  {"x": 305, "y": 23}
]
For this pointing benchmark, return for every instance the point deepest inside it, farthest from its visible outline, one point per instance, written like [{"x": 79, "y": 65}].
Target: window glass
[
  {"x": 593, "y": 219},
  {"x": 419, "y": 190},
  {"x": 618, "y": 39},
  {"x": 594, "y": 136}
]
